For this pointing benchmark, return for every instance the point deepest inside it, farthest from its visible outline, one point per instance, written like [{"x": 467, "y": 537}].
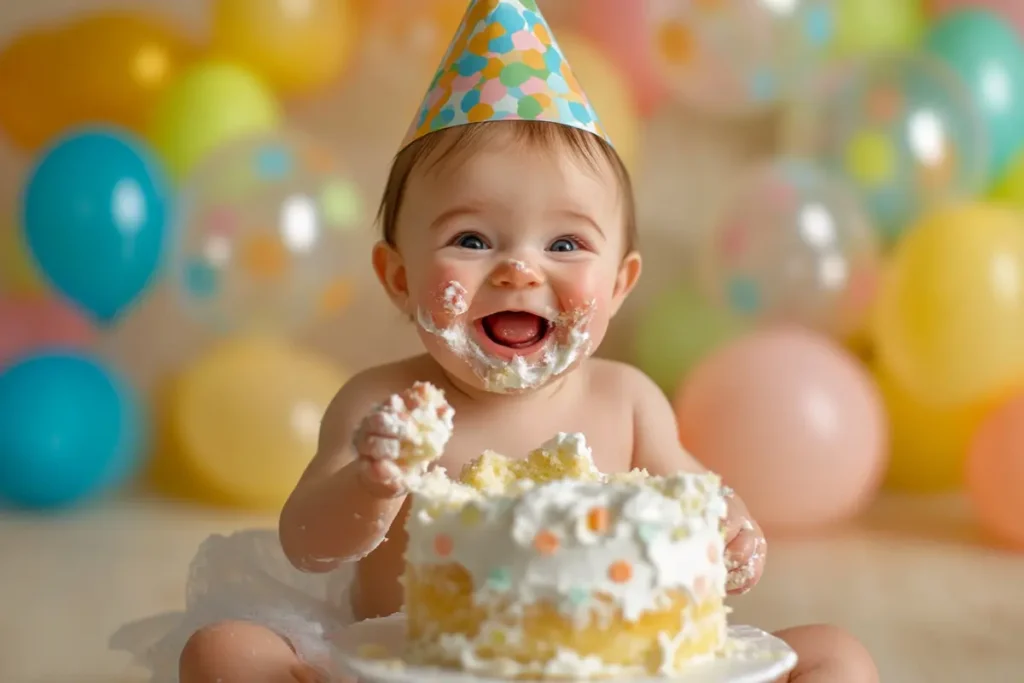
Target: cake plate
[{"x": 371, "y": 650}]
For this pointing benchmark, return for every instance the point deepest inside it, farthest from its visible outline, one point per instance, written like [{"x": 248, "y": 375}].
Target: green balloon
[
  {"x": 676, "y": 331},
  {"x": 875, "y": 26},
  {"x": 1010, "y": 187}
]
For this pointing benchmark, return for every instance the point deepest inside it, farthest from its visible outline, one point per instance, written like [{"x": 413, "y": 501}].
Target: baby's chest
[{"x": 608, "y": 432}]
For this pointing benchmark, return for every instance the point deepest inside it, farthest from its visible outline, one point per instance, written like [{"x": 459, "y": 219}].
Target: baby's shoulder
[
  {"x": 622, "y": 379},
  {"x": 371, "y": 386}
]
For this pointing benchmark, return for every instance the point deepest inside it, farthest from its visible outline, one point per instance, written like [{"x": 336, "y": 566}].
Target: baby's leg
[
  {"x": 828, "y": 655},
  {"x": 241, "y": 652}
]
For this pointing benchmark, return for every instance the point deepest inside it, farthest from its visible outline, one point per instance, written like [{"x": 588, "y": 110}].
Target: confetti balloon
[
  {"x": 263, "y": 235},
  {"x": 737, "y": 57},
  {"x": 792, "y": 244},
  {"x": 902, "y": 128}
]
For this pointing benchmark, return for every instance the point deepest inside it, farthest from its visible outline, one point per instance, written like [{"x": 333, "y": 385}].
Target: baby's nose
[{"x": 516, "y": 274}]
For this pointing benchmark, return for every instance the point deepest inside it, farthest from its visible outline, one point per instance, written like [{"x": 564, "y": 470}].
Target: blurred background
[{"x": 831, "y": 205}]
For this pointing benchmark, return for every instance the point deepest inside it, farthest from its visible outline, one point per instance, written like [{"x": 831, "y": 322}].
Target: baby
[{"x": 509, "y": 237}]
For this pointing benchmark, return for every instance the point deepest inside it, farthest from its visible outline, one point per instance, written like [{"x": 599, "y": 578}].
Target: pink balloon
[
  {"x": 1010, "y": 10},
  {"x": 792, "y": 422},
  {"x": 29, "y": 323},
  {"x": 995, "y": 472},
  {"x": 618, "y": 27}
]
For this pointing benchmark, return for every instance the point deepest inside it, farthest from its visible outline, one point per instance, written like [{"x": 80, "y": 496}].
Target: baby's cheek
[
  {"x": 443, "y": 294},
  {"x": 577, "y": 293}
]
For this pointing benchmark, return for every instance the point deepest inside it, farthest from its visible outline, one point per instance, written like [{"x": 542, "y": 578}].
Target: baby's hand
[
  {"x": 745, "y": 548},
  {"x": 405, "y": 433}
]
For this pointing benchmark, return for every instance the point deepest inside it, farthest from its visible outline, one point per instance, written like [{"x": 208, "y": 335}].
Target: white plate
[{"x": 760, "y": 658}]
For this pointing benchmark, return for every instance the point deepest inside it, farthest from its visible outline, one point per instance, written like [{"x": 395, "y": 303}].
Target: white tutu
[{"x": 246, "y": 577}]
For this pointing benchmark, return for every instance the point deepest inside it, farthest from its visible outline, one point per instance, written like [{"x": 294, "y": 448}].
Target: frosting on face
[{"x": 567, "y": 343}]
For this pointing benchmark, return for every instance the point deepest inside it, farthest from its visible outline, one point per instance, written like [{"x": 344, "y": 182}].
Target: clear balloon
[
  {"x": 244, "y": 420},
  {"x": 986, "y": 52},
  {"x": 949, "y": 320},
  {"x": 995, "y": 472},
  {"x": 265, "y": 239},
  {"x": 792, "y": 244},
  {"x": 792, "y": 422},
  {"x": 410, "y": 34},
  {"x": 903, "y": 129},
  {"x": 211, "y": 104},
  {"x": 294, "y": 46},
  {"x": 737, "y": 57}
]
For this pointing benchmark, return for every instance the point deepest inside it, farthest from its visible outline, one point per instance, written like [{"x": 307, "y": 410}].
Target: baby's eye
[
  {"x": 564, "y": 244},
  {"x": 470, "y": 240}
]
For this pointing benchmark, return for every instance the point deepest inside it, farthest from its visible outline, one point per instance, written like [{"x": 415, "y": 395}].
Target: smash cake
[{"x": 546, "y": 568}]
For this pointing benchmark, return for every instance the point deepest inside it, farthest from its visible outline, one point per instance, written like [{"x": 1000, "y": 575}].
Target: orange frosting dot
[
  {"x": 620, "y": 572},
  {"x": 598, "y": 520},
  {"x": 546, "y": 543},
  {"x": 443, "y": 545}
]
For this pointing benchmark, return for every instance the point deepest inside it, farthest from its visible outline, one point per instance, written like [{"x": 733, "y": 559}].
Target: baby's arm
[
  {"x": 352, "y": 490},
  {"x": 656, "y": 448}
]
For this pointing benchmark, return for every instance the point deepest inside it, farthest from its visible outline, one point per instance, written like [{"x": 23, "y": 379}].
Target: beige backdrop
[{"x": 684, "y": 160}]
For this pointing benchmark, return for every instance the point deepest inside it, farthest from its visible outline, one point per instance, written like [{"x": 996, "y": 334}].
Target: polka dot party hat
[{"x": 503, "y": 65}]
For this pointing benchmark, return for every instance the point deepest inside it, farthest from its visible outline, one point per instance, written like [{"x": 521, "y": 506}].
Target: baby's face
[{"x": 514, "y": 262}]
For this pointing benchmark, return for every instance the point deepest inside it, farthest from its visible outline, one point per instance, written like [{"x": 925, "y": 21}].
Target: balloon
[
  {"x": 1011, "y": 11},
  {"x": 949, "y": 321},
  {"x": 30, "y": 114},
  {"x": 70, "y": 429},
  {"x": 737, "y": 57},
  {"x": 984, "y": 50},
  {"x": 264, "y": 223},
  {"x": 18, "y": 273},
  {"x": 1011, "y": 186},
  {"x": 878, "y": 26},
  {"x": 927, "y": 443},
  {"x": 902, "y": 128},
  {"x": 409, "y": 34},
  {"x": 619, "y": 28},
  {"x": 995, "y": 472},
  {"x": 28, "y": 324},
  {"x": 294, "y": 46},
  {"x": 792, "y": 422},
  {"x": 211, "y": 104},
  {"x": 115, "y": 65},
  {"x": 94, "y": 215},
  {"x": 676, "y": 331},
  {"x": 792, "y": 244},
  {"x": 246, "y": 417},
  {"x": 608, "y": 92}
]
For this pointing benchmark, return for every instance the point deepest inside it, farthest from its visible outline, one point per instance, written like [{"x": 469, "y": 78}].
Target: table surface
[{"x": 912, "y": 578}]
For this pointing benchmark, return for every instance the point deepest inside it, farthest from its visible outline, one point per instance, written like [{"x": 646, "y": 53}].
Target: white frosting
[
  {"x": 412, "y": 428},
  {"x": 629, "y": 538},
  {"x": 567, "y": 343}
]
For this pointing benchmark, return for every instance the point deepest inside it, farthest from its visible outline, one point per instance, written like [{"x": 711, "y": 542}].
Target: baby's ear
[
  {"x": 626, "y": 279},
  {"x": 390, "y": 269}
]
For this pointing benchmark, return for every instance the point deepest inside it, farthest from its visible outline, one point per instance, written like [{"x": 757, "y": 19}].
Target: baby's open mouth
[{"x": 515, "y": 329}]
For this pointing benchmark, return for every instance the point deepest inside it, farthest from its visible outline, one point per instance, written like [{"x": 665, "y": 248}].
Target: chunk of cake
[{"x": 546, "y": 568}]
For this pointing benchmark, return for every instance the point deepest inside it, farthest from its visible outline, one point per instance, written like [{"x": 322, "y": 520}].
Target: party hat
[{"x": 504, "y": 65}]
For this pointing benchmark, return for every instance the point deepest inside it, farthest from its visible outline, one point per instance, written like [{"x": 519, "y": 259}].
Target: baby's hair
[{"x": 585, "y": 146}]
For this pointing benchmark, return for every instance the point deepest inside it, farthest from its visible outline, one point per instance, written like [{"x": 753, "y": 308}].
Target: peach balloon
[
  {"x": 792, "y": 422},
  {"x": 30, "y": 323},
  {"x": 995, "y": 472}
]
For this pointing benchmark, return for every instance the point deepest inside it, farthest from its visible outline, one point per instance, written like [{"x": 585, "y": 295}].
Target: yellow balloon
[
  {"x": 1010, "y": 188},
  {"x": 928, "y": 443},
  {"x": 31, "y": 109},
  {"x": 294, "y": 46},
  {"x": 18, "y": 272},
  {"x": 608, "y": 91},
  {"x": 212, "y": 103},
  {"x": 246, "y": 418},
  {"x": 949, "y": 320}
]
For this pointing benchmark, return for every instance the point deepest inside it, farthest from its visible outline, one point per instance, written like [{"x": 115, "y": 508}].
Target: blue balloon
[
  {"x": 989, "y": 56},
  {"x": 95, "y": 216},
  {"x": 69, "y": 430}
]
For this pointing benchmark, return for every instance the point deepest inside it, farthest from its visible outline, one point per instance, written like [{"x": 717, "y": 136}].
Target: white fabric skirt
[{"x": 244, "y": 577}]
